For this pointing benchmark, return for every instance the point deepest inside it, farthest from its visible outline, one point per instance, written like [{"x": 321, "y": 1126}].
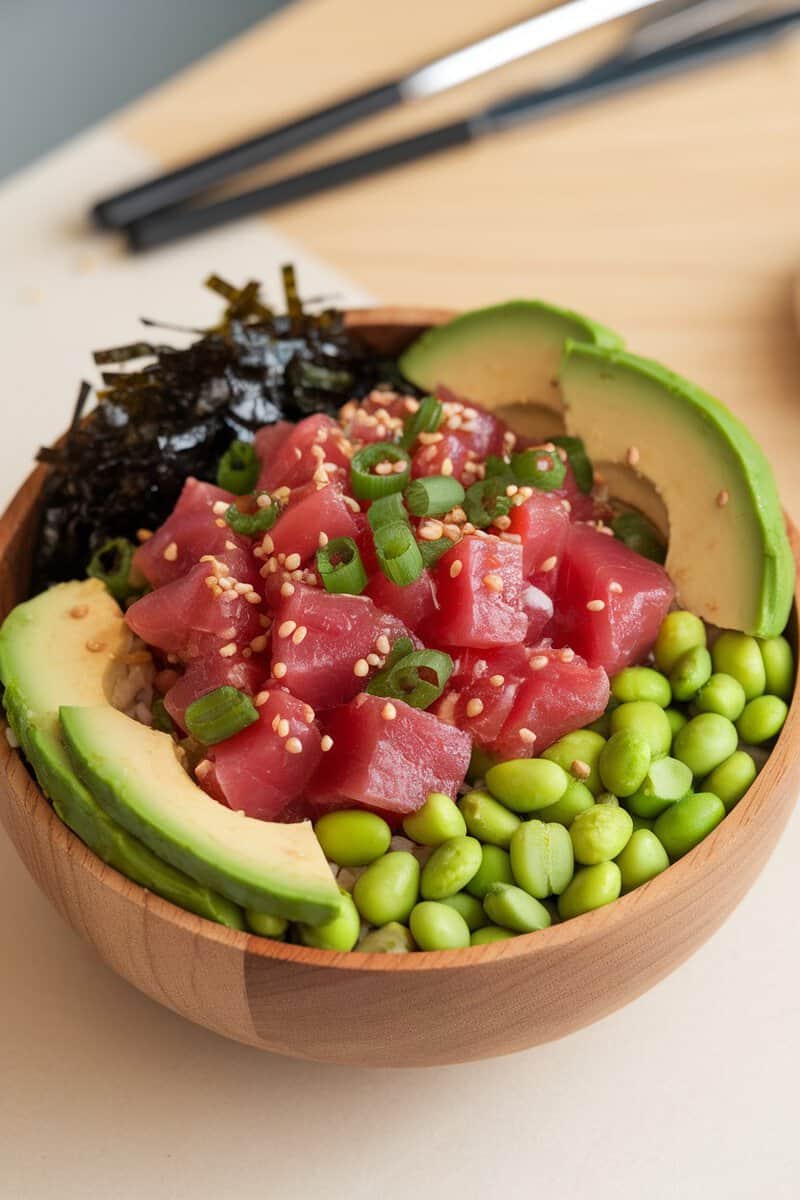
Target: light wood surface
[
  {"x": 382, "y": 1010},
  {"x": 671, "y": 213}
]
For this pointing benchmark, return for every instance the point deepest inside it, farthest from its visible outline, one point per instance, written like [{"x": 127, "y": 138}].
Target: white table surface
[{"x": 690, "y": 1092}]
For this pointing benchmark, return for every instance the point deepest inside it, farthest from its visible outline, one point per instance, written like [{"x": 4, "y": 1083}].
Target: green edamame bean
[
  {"x": 690, "y": 672},
  {"x": 387, "y": 890},
  {"x": 487, "y": 819},
  {"x": 679, "y": 632},
  {"x": 641, "y": 683},
  {"x": 776, "y": 654},
  {"x": 739, "y": 655},
  {"x": 731, "y": 779},
  {"x": 624, "y": 762},
  {"x": 512, "y": 908},
  {"x": 576, "y": 751},
  {"x": 667, "y": 781},
  {"x": 591, "y": 887},
  {"x": 577, "y": 798},
  {"x": 353, "y": 837},
  {"x": 527, "y": 784},
  {"x": 393, "y": 938},
  {"x": 676, "y": 719},
  {"x": 723, "y": 695},
  {"x": 542, "y": 860},
  {"x": 495, "y": 868},
  {"x": 608, "y": 798},
  {"x": 490, "y": 933},
  {"x": 436, "y": 822},
  {"x": 600, "y": 834},
  {"x": 266, "y": 925},
  {"x": 438, "y": 927},
  {"x": 705, "y": 742},
  {"x": 762, "y": 719},
  {"x": 684, "y": 825},
  {"x": 340, "y": 933},
  {"x": 648, "y": 720},
  {"x": 469, "y": 907},
  {"x": 642, "y": 859},
  {"x": 450, "y": 868}
]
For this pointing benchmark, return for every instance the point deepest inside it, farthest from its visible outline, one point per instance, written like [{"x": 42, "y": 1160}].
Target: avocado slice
[
  {"x": 651, "y": 433},
  {"x": 505, "y": 358},
  {"x": 134, "y": 773},
  {"x": 43, "y": 662}
]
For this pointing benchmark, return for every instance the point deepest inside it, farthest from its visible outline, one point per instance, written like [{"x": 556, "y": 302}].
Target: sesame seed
[
  {"x": 497, "y": 680},
  {"x": 299, "y": 635},
  {"x": 228, "y": 650},
  {"x": 382, "y": 644},
  {"x": 143, "y": 535},
  {"x": 322, "y": 540},
  {"x": 549, "y": 564},
  {"x": 309, "y": 713},
  {"x": 513, "y": 538},
  {"x": 722, "y": 498},
  {"x": 538, "y": 662},
  {"x": 431, "y": 531},
  {"x": 474, "y": 707},
  {"x": 95, "y": 647},
  {"x": 297, "y": 574},
  {"x": 203, "y": 768},
  {"x": 580, "y": 769},
  {"x": 493, "y": 583},
  {"x": 567, "y": 654},
  {"x": 374, "y": 660},
  {"x": 388, "y": 712},
  {"x": 383, "y": 468},
  {"x": 267, "y": 544},
  {"x": 261, "y": 699},
  {"x": 456, "y": 568},
  {"x": 287, "y": 589},
  {"x": 171, "y": 552},
  {"x": 282, "y": 728},
  {"x": 230, "y": 545},
  {"x": 511, "y": 490},
  {"x": 220, "y": 524},
  {"x": 361, "y": 668},
  {"x": 503, "y": 522},
  {"x": 286, "y": 629},
  {"x": 527, "y": 736},
  {"x": 276, "y": 720},
  {"x": 632, "y": 456},
  {"x": 326, "y": 743},
  {"x": 429, "y": 439},
  {"x": 219, "y": 508},
  {"x": 242, "y": 589},
  {"x": 78, "y": 611},
  {"x": 595, "y": 605},
  {"x": 293, "y": 745},
  {"x": 447, "y": 466},
  {"x": 252, "y": 597},
  {"x": 279, "y": 669},
  {"x": 615, "y": 587},
  {"x": 399, "y": 467},
  {"x": 263, "y": 500}
]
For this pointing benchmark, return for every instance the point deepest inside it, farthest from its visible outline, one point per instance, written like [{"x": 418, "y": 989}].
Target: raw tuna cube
[
  {"x": 340, "y": 632},
  {"x": 433, "y": 459},
  {"x": 481, "y": 431},
  {"x": 480, "y": 600},
  {"x": 313, "y": 441},
  {"x": 481, "y": 693},
  {"x": 322, "y": 510},
  {"x": 610, "y": 601},
  {"x": 389, "y": 763},
  {"x": 582, "y": 505},
  {"x": 265, "y": 768},
  {"x": 212, "y": 671},
  {"x": 543, "y": 523},
  {"x": 269, "y": 439},
  {"x": 378, "y": 418},
  {"x": 538, "y": 608},
  {"x": 412, "y": 604},
  {"x": 561, "y": 693}
]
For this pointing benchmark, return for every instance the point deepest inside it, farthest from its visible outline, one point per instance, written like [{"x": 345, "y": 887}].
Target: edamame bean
[
  {"x": 387, "y": 890},
  {"x": 487, "y": 819},
  {"x": 450, "y": 868},
  {"x": 690, "y": 672},
  {"x": 641, "y": 683},
  {"x": 340, "y": 933},
  {"x": 684, "y": 825},
  {"x": 667, "y": 781},
  {"x": 576, "y": 751},
  {"x": 723, "y": 695},
  {"x": 542, "y": 860},
  {"x": 495, "y": 868},
  {"x": 353, "y": 837},
  {"x": 577, "y": 798},
  {"x": 527, "y": 784},
  {"x": 513, "y": 908},
  {"x": 739, "y": 655},
  {"x": 731, "y": 779},
  {"x": 438, "y": 927},
  {"x": 470, "y": 908},
  {"x": 393, "y": 938},
  {"x": 762, "y": 719},
  {"x": 600, "y": 834},
  {"x": 648, "y": 720},
  {"x": 679, "y": 632},
  {"x": 436, "y": 822},
  {"x": 778, "y": 660},
  {"x": 676, "y": 719},
  {"x": 705, "y": 742},
  {"x": 608, "y": 798},
  {"x": 490, "y": 933},
  {"x": 266, "y": 925},
  {"x": 624, "y": 762},
  {"x": 591, "y": 887},
  {"x": 642, "y": 859}
]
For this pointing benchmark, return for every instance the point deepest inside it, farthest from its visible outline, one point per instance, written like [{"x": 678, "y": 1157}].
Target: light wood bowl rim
[{"x": 651, "y": 896}]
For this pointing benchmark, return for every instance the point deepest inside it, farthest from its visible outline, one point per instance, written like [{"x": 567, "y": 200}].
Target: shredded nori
[{"x": 121, "y": 468}]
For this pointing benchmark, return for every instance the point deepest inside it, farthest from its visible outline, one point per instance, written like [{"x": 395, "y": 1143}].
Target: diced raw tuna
[
  {"x": 481, "y": 431},
  {"x": 538, "y": 608},
  {"x": 389, "y": 764},
  {"x": 264, "y": 769},
  {"x": 481, "y": 691},
  {"x": 543, "y": 523},
  {"x": 480, "y": 600},
  {"x": 378, "y": 418},
  {"x": 295, "y": 459},
  {"x": 322, "y": 510},
  {"x": 561, "y": 693},
  {"x": 582, "y": 504},
  {"x": 269, "y": 439},
  {"x": 340, "y": 631},
  {"x": 366, "y": 543},
  {"x": 413, "y": 604},
  {"x": 204, "y": 675},
  {"x": 448, "y": 456},
  {"x": 610, "y": 601}
]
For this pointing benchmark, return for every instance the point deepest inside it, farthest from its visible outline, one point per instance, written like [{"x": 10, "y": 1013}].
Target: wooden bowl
[{"x": 387, "y": 1010}]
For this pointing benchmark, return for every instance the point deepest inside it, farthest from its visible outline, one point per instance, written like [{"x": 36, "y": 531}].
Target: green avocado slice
[
  {"x": 679, "y": 455},
  {"x": 505, "y": 358}
]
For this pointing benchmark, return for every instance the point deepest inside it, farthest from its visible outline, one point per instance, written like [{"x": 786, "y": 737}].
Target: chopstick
[
  {"x": 615, "y": 75},
  {"x": 469, "y": 62}
]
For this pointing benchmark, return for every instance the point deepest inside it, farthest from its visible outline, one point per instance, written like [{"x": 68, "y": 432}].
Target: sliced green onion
[
  {"x": 340, "y": 567},
  {"x": 365, "y": 483},
  {"x": 398, "y": 554},
  {"x": 219, "y": 715},
  {"x": 387, "y": 511},
  {"x": 485, "y": 501},
  {"x": 426, "y": 419},
  {"x": 239, "y": 468},
  {"x": 579, "y": 460},
  {"x": 433, "y": 495},
  {"x": 500, "y": 468},
  {"x": 252, "y": 524},
  {"x": 539, "y": 468},
  {"x": 638, "y": 534},
  {"x": 400, "y": 649},
  {"x": 432, "y": 551},
  {"x": 417, "y": 679},
  {"x": 111, "y": 564},
  {"x": 162, "y": 721}
]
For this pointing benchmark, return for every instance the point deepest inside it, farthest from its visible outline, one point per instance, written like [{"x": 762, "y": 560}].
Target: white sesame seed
[
  {"x": 595, "y": 605},
  {"x": 456, "y": 568},
  {"x": 299, "y": 635},
  {"x": 361, "y": 668},
  {"x": 549, "y": 564},
  {"x": 219, "y": 508},
  {"x": 538, "y": 662},
  {"x": 242, "y": 589},
  {"x": 171, "y": 552},
  {"x": 615, "y": 587},
  {"x": 203, "y": 768},
  {"x": 388, "y": 712},
  {"x": 252, "y": 597},
  {"x": 493, "y": 583},
  {"x": 474, "y": 707},
  {"x": 267, "y": 544},
  {"x": 447, "y": 466},
  {"x": 497, "y": 681},
  {"x": 511, "y": 490},
  {"x": 431, "y": 531},
  {"x": 429, "y": 439},
  {"x": 143, "y": 535},
  {"x": 513, "y": 539},
  {"x": 580, "y": 769},
  {"x": 383, "y": 468},
  {"x": 287, "y": 589},
  {"x": 632, "y": 456},
  {"x": 259, "y": 643},
  {"x": 279, "y": 669},
  {"x": 230, "y": 545},
  {"x": 286, "y": 629},
  {"x": 228, "y": 650},
  {"x": 263, "y": 500},
  {"x": 276, "y": 720},
  {"x": 567, "y": 654},
  {"x": 382, "y": 644},
  {"x": 326, "y": 743},
  {"x": 373, "y": 660},
  {"x": 309, "y": 713},
  {"x": 323, "y": 539},
  {"x": 400, "y": 466},
  {"x": 722, "y": 498},
  {"x": 527, "y": 735},
  {"x": 293, "y": 562},
  {"x": 282, "y": 728},
  {"x": 503, "y": 522},
  {"x": 220, "y": 523},
  {"x": 293, "y": 745},
  {"x": 261, "y": 699}
]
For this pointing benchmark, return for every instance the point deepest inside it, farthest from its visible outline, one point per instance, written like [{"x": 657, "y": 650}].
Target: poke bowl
[{"x": 581, "y": 919}]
